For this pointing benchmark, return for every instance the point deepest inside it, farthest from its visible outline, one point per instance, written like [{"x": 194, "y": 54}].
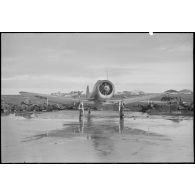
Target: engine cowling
[{"x": 103, "y": 89}]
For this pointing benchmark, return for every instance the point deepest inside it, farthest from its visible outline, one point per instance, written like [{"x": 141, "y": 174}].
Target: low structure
[
  {"x": 171, "y": 91},
  {"x": 185, "y": 91}
]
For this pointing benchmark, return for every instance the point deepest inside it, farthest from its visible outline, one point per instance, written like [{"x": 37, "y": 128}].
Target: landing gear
[
  {"x": 89, "y": 111},
  {"x": 81, "y": 110},
  {"x": 121, "y": 109}
]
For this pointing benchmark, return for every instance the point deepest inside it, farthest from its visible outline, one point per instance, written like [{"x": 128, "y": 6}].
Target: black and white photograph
[{"x": 97, "y": 98}]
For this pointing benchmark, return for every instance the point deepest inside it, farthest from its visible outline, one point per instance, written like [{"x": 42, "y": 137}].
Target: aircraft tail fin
[{"x": 87, "y": 92}]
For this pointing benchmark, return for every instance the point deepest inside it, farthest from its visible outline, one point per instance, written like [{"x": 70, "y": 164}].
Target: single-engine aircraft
[{"x": 102, "y": 94}]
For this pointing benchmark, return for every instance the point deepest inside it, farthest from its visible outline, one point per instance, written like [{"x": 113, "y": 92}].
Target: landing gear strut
[
  {"x": 89, "y": 111},
  {"x": 121, "y": 109},
  {"x": 81, "y": 110}
]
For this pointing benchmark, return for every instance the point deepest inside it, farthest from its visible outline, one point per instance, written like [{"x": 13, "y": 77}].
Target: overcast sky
[{"x": 48, "y": 63}]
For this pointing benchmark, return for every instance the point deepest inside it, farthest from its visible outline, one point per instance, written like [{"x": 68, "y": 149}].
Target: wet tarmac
[{"x": 61, "y": 137}]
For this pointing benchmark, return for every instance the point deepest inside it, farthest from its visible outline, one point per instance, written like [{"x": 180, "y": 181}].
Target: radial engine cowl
[{"x": 105, "y": 89}]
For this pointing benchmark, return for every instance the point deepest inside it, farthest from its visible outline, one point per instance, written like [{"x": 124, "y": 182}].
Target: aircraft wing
[
  {"x": 140, "y": 98},
  {"x": 87, "y": 102},
  {"x": 129, "y": 100},
  {"x": 51, "y": 98}
]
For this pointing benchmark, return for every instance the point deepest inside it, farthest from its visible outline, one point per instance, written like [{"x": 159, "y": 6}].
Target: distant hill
[
  {"x": 186, "y": 91},
  {"x": 171, "y": 91},
  {"x": 137, "y": 92}
]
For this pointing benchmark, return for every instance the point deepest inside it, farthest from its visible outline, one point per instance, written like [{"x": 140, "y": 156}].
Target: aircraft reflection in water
[{"x": 102, "y": 134}]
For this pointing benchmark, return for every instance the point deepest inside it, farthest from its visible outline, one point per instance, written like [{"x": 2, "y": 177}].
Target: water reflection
[
  {"x": 81, "y": 125},
  {"x": 99, "y": 136},
  {"x": 121, "y": 125},
  {"x": 103, "y": 134}
]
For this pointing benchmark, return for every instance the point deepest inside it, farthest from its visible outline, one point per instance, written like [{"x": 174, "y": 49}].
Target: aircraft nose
[{"x": 106, "y": 88}]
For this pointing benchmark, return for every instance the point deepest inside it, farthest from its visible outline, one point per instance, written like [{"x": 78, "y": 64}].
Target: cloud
[
  {"x": 63, "y": 79},
  {"x": 73, "y": 60}
]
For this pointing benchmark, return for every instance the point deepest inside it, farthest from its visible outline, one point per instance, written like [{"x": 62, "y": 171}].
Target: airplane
[{"x": 102, "y": 94}]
